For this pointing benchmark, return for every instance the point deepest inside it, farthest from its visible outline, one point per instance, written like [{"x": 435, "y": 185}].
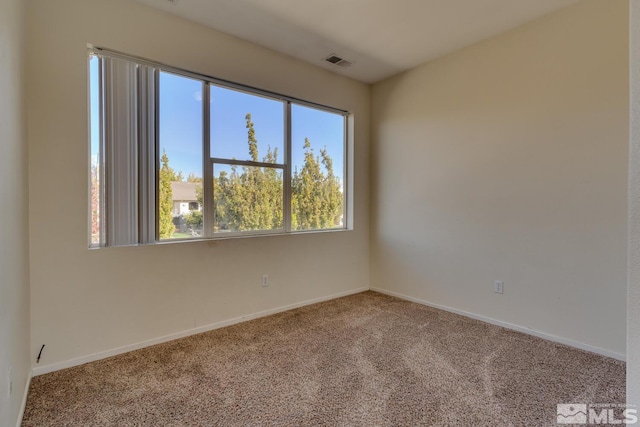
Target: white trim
[
  {"x": 507, "y": 325},
  {"x": 40, "y": 370},
  {"x": 24, "y": 400}
]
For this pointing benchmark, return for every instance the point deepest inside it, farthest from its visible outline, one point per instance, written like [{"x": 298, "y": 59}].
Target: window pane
[
  {"x": 317, "y": 154},
  {"x": 95, "y": 183},
  {"x": 180, "y": 177},
  {"x": 140, "y": 192},
  {"x": 246, "y": 127},
  {"x": 247, "y": 198}
]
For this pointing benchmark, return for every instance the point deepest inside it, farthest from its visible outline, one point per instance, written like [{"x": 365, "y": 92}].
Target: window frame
[{"x": 148, "y": 181}]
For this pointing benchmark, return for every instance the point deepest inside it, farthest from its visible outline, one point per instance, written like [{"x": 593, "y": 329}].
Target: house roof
[{"x": 184, "y": 191}]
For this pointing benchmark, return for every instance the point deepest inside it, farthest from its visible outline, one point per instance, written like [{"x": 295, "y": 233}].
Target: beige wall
[
  {"x": 633, "y": 297},
  {"x": 508, "y": 161},
  {"x": 14, "y": 283},
  {"x": 92, "y": 301}
]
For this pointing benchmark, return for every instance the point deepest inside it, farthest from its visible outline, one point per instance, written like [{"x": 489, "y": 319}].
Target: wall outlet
[
  {"x": 265, "y": 280},
  {"x": 498, "y": 286}
]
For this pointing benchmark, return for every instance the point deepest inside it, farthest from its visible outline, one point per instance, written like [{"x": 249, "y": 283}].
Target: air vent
[{"x": 336, "y": 60}]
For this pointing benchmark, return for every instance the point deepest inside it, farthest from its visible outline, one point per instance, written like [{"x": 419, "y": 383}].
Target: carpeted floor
[{"x": 362, "y": 360}]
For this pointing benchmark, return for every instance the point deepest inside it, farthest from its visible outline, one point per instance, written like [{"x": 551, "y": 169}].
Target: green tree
[
  {"x": 251, "y": 135},
  {"x": 194, "y": 220},
  {"x": 332, "y": 193},
  {"x": 272, "y": 191},
  {"x": 251, "y": 198},
  {"x": 167, "y": 175},
  {"x": 192, "y": 177},
  {"x": 316, "y": 195}
]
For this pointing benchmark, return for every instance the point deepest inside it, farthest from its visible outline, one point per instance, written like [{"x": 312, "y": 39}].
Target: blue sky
[
  {"x": 228, "y": 124},
  {"x": 93, "y": 105},
  {"x": 181, "y": 124}
]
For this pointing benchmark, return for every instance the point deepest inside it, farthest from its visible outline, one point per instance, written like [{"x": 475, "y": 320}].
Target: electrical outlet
[
  {"x": 498, "y": 286},
  {"x": 265, "y": 280}
]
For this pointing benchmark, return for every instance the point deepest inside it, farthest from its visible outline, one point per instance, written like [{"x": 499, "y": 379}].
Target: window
[
  {"x": 180, "y": 133},
  {"x": 247, "y": 145},
  {"x": 176, "y": 155}
]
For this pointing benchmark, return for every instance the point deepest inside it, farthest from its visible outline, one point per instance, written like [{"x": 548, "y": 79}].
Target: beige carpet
[{"x": 363, "y": 360}]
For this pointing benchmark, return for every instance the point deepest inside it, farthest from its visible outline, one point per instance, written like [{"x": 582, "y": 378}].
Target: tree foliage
[
  {"x": 192, "y": 177},
  {"x": 251, "y": 197},
  {"x": 167, "y": 175},
  {"x": 316, "y": 199}
]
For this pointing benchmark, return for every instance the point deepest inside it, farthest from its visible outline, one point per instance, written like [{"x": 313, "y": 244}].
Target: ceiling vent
[{"x": 336, "y": 60}]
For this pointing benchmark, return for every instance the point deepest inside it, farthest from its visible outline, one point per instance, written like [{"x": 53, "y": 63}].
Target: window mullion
[
  {"x": 234, "y": 162},
  {"x": 208, "y": 216},
  {"x": 347, "y": 183},
  {"x": 287, "y": 167}
]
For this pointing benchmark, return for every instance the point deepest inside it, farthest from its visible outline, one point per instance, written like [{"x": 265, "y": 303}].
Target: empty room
[{"x": 319, "y": 212}]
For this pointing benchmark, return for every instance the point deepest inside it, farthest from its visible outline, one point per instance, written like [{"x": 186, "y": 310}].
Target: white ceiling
[{"x": 380, "y": 37}]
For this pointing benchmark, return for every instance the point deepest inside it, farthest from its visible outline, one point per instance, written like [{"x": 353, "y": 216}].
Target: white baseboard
[
  {"x": 507, "y": 325},
  {"x": 40, "y": 370},
  {"x": 24, "y": 400}
]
